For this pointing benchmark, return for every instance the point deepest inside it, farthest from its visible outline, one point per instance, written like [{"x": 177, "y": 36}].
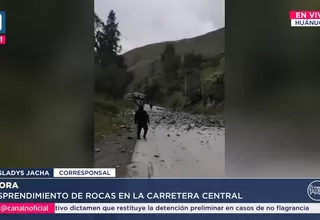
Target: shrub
[
  {"x": 172, "y": 87},
  {"x": 154, "y": 91},
  {"x": 177, "y": 99},
  {"x": 106, "y": 107}
]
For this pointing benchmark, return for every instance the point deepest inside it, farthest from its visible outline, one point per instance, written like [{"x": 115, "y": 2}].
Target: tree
[
  {"x": 192, "y": 60},
  {"x": 98, "y": 23},
  {"x": 170, "y": 62},
  {"x": 98, "y": 36},
  {"x": 111, "y": 75},
  {"x": 107, "y": 37},
  {"x": 153, "y": 91},
  {"x": 194, "y": 85},
  {"x": 112, "y": 81},
  {"x": 112, "y": 34}
]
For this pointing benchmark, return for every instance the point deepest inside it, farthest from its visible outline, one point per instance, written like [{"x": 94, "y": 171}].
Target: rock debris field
[{"x": 179, "y": 145}]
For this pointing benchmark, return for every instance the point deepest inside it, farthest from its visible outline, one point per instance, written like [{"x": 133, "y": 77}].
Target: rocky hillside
[{"x": 145, "y": 60}]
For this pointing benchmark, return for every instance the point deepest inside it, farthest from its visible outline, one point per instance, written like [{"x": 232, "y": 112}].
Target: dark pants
[{"x": 145, "y": 130}]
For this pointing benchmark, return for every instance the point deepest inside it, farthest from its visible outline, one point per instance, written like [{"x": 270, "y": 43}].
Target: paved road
[{"x": 179, "y": 152}]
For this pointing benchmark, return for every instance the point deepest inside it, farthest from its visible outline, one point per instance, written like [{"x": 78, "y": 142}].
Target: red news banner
[
  {"x": 27, "y": 208},
  {"x": 310, "y": 18},
  {"x": 2, "y": 39}
]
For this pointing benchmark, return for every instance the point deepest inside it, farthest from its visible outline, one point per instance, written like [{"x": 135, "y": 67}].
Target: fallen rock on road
[{"x": 183, "y": 119}]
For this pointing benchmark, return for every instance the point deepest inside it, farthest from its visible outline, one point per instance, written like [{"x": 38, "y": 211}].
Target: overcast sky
[{"x": 144, "y": 22}]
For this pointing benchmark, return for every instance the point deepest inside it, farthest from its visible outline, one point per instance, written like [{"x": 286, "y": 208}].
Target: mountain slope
[{"x": 144, "y": 60}]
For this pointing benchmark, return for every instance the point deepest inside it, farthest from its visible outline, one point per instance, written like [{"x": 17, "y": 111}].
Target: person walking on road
[{"x": 141, "y": 119}]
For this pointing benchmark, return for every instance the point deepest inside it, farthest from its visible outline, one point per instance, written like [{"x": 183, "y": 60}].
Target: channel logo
[
  {"x": 313, "y": 190},
  {"x": 305, "y": 18},
  {"x": 2, "y": 22}
]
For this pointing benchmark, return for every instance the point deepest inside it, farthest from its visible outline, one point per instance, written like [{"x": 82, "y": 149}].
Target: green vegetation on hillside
[
  {"x": 141, "y": 61},
  {"x": 191, "y": 81},
  {"x": 183, "y": 74}
]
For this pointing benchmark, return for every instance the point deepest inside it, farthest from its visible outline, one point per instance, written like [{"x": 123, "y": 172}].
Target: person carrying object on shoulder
[{"x": 141, "y": 119}]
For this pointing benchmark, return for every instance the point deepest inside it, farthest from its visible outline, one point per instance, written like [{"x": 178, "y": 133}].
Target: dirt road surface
[{"x": 180, "y": 145}]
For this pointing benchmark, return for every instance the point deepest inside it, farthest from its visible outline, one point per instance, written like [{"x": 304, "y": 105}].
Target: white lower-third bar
[
  {"x": 305, "y": 22},
  {"x": 187, "y": 208},
  {"x": 84, "y": 172}
]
